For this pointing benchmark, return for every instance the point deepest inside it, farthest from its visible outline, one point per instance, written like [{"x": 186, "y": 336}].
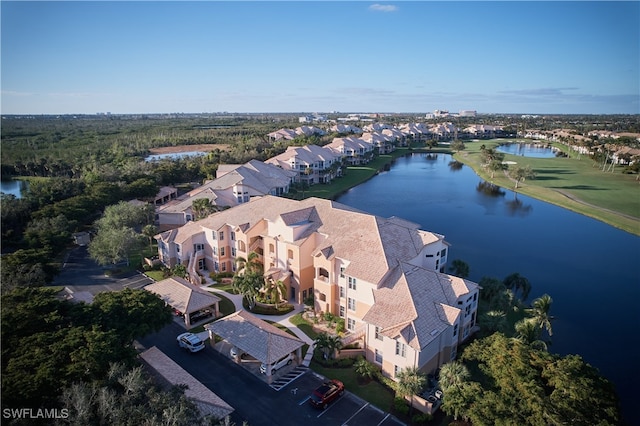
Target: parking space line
[
  {"x": 329, "y": 407},
  {"x": 355, "y": 414},
  {"x": 383, "y": 420},
  {"x": 304, "y": 400}
]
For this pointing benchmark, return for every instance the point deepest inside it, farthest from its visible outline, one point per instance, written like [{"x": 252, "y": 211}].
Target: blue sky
[{"x": 301, "y": 56}]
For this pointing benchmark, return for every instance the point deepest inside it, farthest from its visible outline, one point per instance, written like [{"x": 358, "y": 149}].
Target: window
[
  {"x": 221, "y": 251},
  {"x": 378, "y": 356},
  {"x": 215, "y": 251},
  {"x": 323, "y": 297},
  {"x": 177, "y": 249},
  {"x": 352, "y": 283},
  {"x": 213, "y": 235},
  {"x": 198, "y": 247},
  {"x": 351, "y": 324},
  {"x": 443, "y": 253},
  {"x": 342, "y": 272},
  {"x": 290, "y": 254},
  {"x": 475, "y": 296},
  {"x": 216, "y": 266},
  {"x": 401, "y": 349},
  {"x": 224, "y": 266},
  {"x": 271, "y": 248},
  {"x": 377, "y": 334},
  {"x": 351, "y": 304},
  {"x": 233, "y": 251},
  {"x": 467, "y": 311},
  {"x": 188, "y": 217},
  {"x": 396, "y": 370},
  {"x": 341, "y": 291},
  {"x": 455, "y": 329},
  {"x": 221, "y": 235},
  {"x": 233, "y": 236},
  {"x": 341, "y": 311}
]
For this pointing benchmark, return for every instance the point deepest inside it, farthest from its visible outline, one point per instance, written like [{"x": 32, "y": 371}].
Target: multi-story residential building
[
  {"x": 354, "y": 150},
  {"x": 312, "y": 163},
  {"x": 383, "y": 276},
  {"x": 234, "y": 184}
]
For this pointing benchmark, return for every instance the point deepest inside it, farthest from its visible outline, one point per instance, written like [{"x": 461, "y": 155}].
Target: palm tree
[
  {"x": 410, "y": 382},
  {"x": 201, "y": 208},
  {"x": 539, "y": 311},
  {"x": 459, "y": 268},
  {"x": 328, "y": 344},
  {"x": 527, "y": 331},
  {"x": 275, "y": 290},
  {"x": 365, "y": 368},
  {"x": 453, "y": 374},
  {"x": 249, "y": 265},
  {"x": 493, "y": 321},
  {"x": 516, "y": 282},
  {"x": 149, "y": 231}
]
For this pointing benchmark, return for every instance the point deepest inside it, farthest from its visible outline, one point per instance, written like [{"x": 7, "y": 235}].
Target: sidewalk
[{"x": 280, "y": 319}]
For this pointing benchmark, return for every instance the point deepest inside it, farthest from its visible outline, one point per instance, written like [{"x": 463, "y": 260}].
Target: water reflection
[
  {"x": 489, "y": 188},
  {"x": 431, "y": 157},
  {"x": 455, "y": 166},
  {"x": 516, "y": 207}
]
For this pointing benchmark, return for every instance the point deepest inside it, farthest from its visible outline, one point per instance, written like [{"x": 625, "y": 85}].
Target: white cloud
[{"x": 383, "y": 7}]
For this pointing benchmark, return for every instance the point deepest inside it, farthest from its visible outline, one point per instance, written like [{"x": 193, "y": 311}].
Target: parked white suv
[
  {"x": 285, "y": 360},
  {"x": 191, "y": 342}
]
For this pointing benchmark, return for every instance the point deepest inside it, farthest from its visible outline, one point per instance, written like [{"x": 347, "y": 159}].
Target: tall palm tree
[
  {"x": 516, "y": 282},
  {"x": 249, "y": 265},
  {"x": 452, "y": 374},
  {"x": 328, "y": 344},
  {"x": 539, "y": 311},
  {"x": 410, "y": 382},
  {"x": 527, "y": 331},
  {"x": 275, "y": 290}
]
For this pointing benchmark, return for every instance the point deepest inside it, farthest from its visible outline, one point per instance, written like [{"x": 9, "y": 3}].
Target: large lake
[{"x": 590, "y": 269}]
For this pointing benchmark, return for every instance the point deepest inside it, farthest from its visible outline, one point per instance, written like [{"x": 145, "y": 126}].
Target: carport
[
  {"x": 256, "y": 337},
  {"x": 194, "y": 303}
]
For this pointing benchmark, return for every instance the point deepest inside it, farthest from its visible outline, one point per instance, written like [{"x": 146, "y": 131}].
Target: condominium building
[{"x": 384, "y": 276}]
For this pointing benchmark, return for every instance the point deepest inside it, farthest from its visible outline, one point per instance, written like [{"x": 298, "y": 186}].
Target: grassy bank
[
  {"x": 570, "y": 182},
  {"x": 356, "y": 175}
]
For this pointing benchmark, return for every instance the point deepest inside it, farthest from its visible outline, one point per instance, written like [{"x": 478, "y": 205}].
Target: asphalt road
[{"x": 258, "y": 403}]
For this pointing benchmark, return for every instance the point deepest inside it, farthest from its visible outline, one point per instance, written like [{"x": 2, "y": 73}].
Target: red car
[{"x": 325, "y": 393}]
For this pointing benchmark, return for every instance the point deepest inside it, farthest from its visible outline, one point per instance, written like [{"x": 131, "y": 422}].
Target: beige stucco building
[{"x": 384, "y": 276}]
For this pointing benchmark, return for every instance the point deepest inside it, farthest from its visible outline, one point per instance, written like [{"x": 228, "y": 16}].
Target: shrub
[
  {"x": 285, "y": 308},
  {"x": 340, "y": 325},
  {"x": 401, "y": 406},
  {"x": 421, "y": 418}
]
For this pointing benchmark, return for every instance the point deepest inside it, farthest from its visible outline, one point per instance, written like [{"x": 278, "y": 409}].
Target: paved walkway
[{"x": 280, "y": 319}]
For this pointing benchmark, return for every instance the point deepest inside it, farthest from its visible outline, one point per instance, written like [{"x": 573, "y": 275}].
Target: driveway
[
  {"x": 257, "y": 402},
  {"x": 81, "y": 273}
]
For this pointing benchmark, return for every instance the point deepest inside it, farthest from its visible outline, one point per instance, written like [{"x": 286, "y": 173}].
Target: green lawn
[
  {"x": 303, "y": 325},
  {"x": 614, "y": 198}
]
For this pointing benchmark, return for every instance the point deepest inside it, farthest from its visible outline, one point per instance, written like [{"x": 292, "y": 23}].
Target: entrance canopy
[{"x": 258, "y": 338}]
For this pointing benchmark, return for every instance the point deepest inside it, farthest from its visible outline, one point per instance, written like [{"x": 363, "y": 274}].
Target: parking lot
[
  {"x": 81, "y": 273},
  {"x": 259, "y": 403}
]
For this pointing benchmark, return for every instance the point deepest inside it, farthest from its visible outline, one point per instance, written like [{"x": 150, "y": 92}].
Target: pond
[
  {"x": 173, "y": 155},
  {"x": 536, "y": 150},
  {"x": 14, "y": 187},
  {"x": 586, "y": 266}
]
